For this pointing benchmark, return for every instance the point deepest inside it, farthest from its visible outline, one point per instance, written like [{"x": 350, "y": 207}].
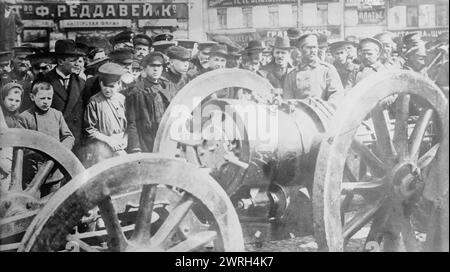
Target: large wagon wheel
[
  {"x": 384, "y": 202},
  {"x": 148, "y": 173},
  {"x": 20, "y": 202}
]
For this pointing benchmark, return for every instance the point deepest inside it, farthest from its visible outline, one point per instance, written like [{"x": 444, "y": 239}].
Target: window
[
  {"x": 322, "y": 14},
  {"x": 273, "y": 16},
  {"x": 441, "y": 15},
  {"x": 222, "y": 17},
  {"x": 412, "y": 14},
  {"x": 248, "y": 16}
]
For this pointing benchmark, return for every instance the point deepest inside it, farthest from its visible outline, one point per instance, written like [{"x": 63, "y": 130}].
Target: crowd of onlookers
[{"x": 104, "y": 101}]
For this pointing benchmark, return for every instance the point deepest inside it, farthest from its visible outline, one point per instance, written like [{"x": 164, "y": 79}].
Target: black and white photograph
[{"x": 245, "y": 126}]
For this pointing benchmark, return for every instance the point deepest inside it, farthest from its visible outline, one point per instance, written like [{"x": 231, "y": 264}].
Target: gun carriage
[{"x": 369, "y": 170}]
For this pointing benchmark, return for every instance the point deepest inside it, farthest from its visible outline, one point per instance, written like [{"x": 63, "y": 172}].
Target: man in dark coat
[
  {"x": 68, "y": 87},
  {"x": 146, "y": 104},
  {"x": 178, "y": 66},
  {"x": 277, "y": 70},
  {"x": 10, "y": 26}
]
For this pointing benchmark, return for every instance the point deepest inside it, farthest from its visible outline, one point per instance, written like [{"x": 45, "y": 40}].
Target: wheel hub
[{"x": 405, "y": 178}]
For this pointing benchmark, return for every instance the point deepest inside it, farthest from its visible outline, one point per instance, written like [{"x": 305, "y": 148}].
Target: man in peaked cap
[
  {"x": 178, "y": 67},
  {"x": 163, "y": 41},
  {"x": 344, "y": 66},
  {"x": 142, "y": 45},
  {"x": 5, "y": 67},
  {"x": 370, "y": 57},
  {"x": 200, "y": 61},
  {"x": 67, "y": 87},
  {"x": 313, "y": 77},
  {"x": 416, "y": 59},
  {"x": 123, "y": 39},
  {"x": 147, "y": 102},
  {"x": 277, "y": 70},
  {"x": 386, "y": 57}
]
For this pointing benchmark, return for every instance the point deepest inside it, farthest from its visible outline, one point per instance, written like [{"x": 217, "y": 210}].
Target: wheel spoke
[
  {"x": 345, "y": 205},
  {"x": 419, "y": 132},
  {"x": 142, "y": 232},
  {"x": 378, "y": 225},
  {"x": 384, "y": 143},
  {"x": 84, "y": 246},
  {"x": 377, "y": 167},
  {"x": 173, "y": 220},
  {"x": 16, "y": 175},
  {"x": 409, "y": 238},
  {"x": 194, "y": 242},
  {"x": 362, "y": 187},
  {"x": 361, "y": 218},
  {"x": 400, "y": 138},
  {"x": 40, "y": 177},
  {"x": 116, "y": 238},
  {"x": 428, "y": 157}
]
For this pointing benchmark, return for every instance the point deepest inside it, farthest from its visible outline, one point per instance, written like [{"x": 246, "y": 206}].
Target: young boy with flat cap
[{"x": 147, "y": 102}]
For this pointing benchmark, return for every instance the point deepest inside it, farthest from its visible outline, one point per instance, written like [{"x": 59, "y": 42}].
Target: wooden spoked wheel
[
  {"x": 20, "y": 199},
  {"x": 378, "y": 191},
  {"x": 202, "y": 217}
]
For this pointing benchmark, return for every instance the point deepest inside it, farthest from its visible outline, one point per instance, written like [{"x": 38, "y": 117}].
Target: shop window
[
  {"x": 222, "y": 17},
  {"x": 412, "y": 15},
  {"x": 441, "y": 15},
  {"x": 274, "y": 19},
  {"x": 322, "y": 14},
  {"x": 248, "y": 16}
]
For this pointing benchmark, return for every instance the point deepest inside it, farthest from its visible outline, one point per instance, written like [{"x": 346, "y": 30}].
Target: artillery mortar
[{"x": 366, "y": 171}]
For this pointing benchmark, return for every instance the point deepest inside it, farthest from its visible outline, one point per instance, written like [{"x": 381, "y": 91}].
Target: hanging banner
[
  {"x": 372, "y": 16},
  {"x": 123, "y": 10}
]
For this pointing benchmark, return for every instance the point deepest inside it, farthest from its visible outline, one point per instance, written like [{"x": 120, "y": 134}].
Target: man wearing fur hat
[{"x": 313, "y": 77}]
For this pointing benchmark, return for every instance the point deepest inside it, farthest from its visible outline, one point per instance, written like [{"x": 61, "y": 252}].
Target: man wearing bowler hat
[
  {"x": 370, "y": 57},
  {"x": 344, "y": 66},
  {"x": 178, "y": 66},
  {"x": 313, "y": 77},
  {"x": 277, "y": 70},
  {"x": 68, "y": 87},
  {"x": 147, "y": 102}
]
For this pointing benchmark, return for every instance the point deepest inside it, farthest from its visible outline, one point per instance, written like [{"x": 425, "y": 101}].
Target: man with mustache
[
  {"x": 142, "y": 46},
  {"x": 5, "y": 67},
  {"x": 313, "y": 77},
  {"x": 201, "y": 60},
  {"x": 277, "y": 70}
]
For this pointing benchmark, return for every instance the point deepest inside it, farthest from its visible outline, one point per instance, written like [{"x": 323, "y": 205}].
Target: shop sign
[
  {"x": 74, "y": 10},
  {"x": 39, "y": 23},
  {"x": 372, "y": 16},
  {"x": 157, "y": 22},
  {"x": 240, "y": 3},
  {"x": 428, "y": 34},
  {"x": 364, "y": 3},
  {"x": 95, "y": 23}
]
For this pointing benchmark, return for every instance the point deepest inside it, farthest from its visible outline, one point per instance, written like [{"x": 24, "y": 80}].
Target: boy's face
[
  {"x": 154, "y": 70},
  {"x": 13, "y": 99},
  {"x": 43, "y": 99},
  {"x": 217, "y": 62},
  {"x": 110, "y": 89}
]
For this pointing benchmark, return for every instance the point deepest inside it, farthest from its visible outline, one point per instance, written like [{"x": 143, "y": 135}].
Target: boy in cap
[
  {"x": 345, "y": 68},
  {"x": 313, "y": 77},
  {"x": 178, "y": 67},
  {"x": 104, "y": 118},
  {"x": 277, "y": 70},
  {"x": 147, "y": 102},
  {"x": 370, "y": 57},
  {"x": 142, "y": 46}
]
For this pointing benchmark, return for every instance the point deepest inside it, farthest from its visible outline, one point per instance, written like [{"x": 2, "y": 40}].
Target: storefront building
[
  {"x": 244, "y": 20},
  {"x": 47, "y": 21}
]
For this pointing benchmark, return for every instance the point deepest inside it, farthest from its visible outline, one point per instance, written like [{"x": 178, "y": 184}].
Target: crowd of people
[{"x": 104, "y": 101}]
